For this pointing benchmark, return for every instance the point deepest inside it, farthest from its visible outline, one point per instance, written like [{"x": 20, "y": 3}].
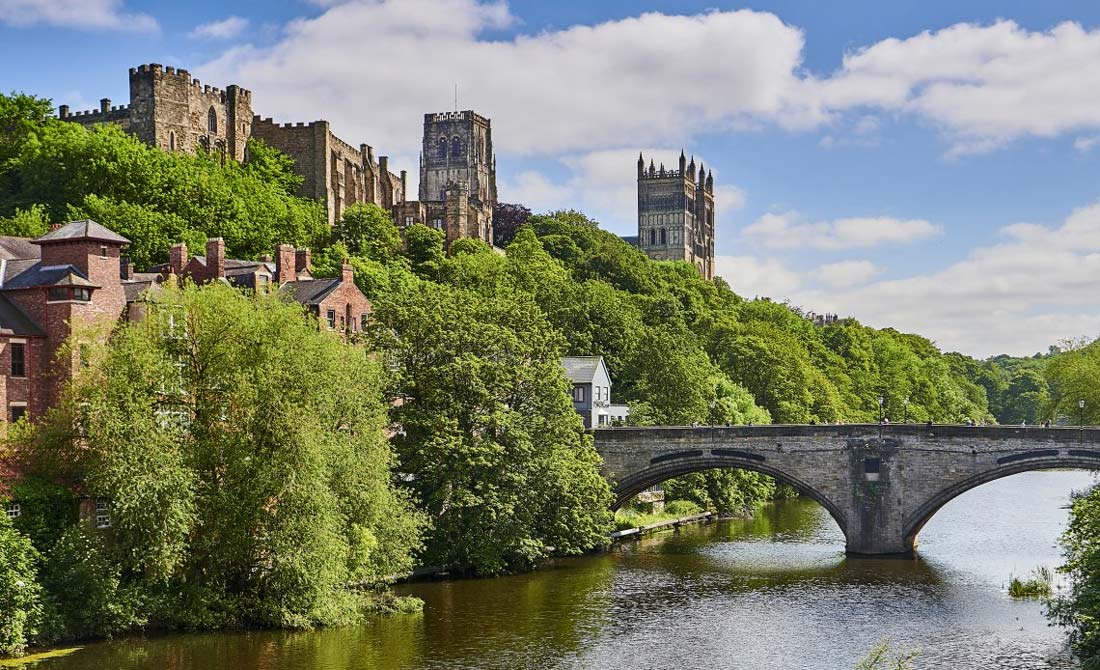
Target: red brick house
[{"x": 337, "y": 303}]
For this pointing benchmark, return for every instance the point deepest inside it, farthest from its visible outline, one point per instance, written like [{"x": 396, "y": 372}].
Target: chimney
[
  {"x": 303, "y": 261},
  {"x": 105, "y": 105},
  {"x": 284, "y": 264},
  {"x": 177, "y": 259},
  {"x": 215, "y": 258},
  {"x": 347, "y": 274},
  {"x": 126, "y": 268}
]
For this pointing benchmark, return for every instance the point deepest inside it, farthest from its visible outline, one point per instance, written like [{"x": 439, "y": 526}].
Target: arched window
[
  {"x": 653, "y": 236},
  {"x": 443, "y": 148},
  {"x": 172, "y": 141},
  {"x": 212, "y": 121},
  {"x": 664, "y": 236},
  {"x": 456, "y": 147}
]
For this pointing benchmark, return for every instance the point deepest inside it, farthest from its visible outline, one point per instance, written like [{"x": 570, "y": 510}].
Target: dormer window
[{"x": 69, "y": 294}]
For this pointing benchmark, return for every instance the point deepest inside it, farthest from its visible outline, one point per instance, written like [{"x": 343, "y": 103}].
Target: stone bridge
[{"x": 880, "y": 483}]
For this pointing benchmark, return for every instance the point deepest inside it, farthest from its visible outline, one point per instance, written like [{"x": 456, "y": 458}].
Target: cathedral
[{"x": 676, "y": 214}]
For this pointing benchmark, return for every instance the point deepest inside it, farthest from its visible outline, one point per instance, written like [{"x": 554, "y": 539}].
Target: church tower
[
  {"x": 676, "y": 213},
  {"x": 457, "y": 163}
]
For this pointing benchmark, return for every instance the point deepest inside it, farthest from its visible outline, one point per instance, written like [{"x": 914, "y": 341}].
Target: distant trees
[{"x": 507, "y": 219}]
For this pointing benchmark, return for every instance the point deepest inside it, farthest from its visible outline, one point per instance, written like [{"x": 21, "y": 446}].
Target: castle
[
  {"x": 171, "y": 111},
  {"x": 676, "y": 214}
]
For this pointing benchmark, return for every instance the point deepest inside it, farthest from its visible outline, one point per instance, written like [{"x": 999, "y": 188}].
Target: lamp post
[
  {"x": 1081, "y": 414},
  {"x": 906, "y": 419},
  {"x": 881, "y": 409}
]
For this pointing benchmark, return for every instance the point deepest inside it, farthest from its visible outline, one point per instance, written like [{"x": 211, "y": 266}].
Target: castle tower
[
  {"x": 458, "y": 151},
  {"x": 676, "y": 214}
]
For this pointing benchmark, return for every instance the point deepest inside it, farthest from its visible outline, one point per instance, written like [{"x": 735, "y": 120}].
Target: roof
[
  {"x": 136, "y": 290},
  {"x": 630, "y": 239},
  {"x": 582, "y": 369},
  {"x": 38, "y": 275},
  {"x": 14, "y": 322},
  {"x": 16, "y": 248},
  {"x": 310, "y": 291},
  {"x": 85, "y": 229}
]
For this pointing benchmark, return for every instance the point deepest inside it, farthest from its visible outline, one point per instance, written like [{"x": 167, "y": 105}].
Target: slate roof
[
  {"x": 14, "y": 248},
  {"x": 136, "y": 289},
  {"x": 14, "y": 322},
  {"x": 581, "y": 369},
  {"x": 38, "y": 275},
  {"x": 630, "y": 239},
  {"x": 310, "y": 291},
  {"x": 85, "y": 229}
]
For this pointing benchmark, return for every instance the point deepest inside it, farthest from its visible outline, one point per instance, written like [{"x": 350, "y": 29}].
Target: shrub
[
  {"x": 21, "y": 609},
  {"x": 679, "y": 508}
]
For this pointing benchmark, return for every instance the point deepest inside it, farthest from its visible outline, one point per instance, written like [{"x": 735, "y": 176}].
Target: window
[
  {"x": 872, "y": 465},
  {"x": 456, "y": 148},
  {"x": 103, "y": 252},
  {"x": 408, "y": 221},
  {"x": 14, "y": 510},
  {"x": 102, "y": 513},
  {"x": 172, "y": 141},
  {"x": 364, "y": 320},
  {"x": 653, "y": 236},
  {"x": 664, "y": 236},
  {"x": 69, "y": 294},
  {"x": 17, "y": 412},
  {"x": 18, "y": 359},
  {"x": 212, "y": 121},
  {"x": 443, "y": 147},
  {"x": 437, "y": 224},
  {"x": 331, "y": 316},
  {"x": 578, "y": 393}
]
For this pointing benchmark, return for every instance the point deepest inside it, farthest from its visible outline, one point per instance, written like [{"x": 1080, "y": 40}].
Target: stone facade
[
  {"x": 171, "y": 111},
  {"x": 676, "y": 214},
  {"x": 458, "y": 179},
  {"x": 334, "y": 172},
  {"x": 880, "y": 483}
]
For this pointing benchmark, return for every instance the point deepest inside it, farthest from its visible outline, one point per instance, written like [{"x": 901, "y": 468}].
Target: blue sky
[{"x": 933, "y": 166}]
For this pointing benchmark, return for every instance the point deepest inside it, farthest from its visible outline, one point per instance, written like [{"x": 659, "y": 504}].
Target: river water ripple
[{"x": 775, "y": 593}]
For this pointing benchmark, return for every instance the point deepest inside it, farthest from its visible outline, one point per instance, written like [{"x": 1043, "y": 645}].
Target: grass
[
  {"x": 1037, "y": 585},
  {"x": 627, "y": 518},
  {"x": 881, "y": 658}
]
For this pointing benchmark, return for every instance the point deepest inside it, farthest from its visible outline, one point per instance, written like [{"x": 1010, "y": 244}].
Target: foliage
[
  {"x": 1036, "y": 585},
  {"x": 31, "y": 222},
  {"x": 21, "y": 609},
  {"x": 507, "y": 220},
  {"x": 727, "y": 492},
  {"x": 152, "y": 197},
  {"x": 682, "y": 508},
  {"x": 1079, "y": 608},
  {"x": 368, "y": 231},
  {"x": 243, "y": 454},
  {"x": 497, "y": 454}
]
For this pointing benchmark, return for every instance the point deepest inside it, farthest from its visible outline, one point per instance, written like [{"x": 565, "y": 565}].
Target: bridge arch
[
  {"x": 636, "y": 482},
  {"x": 916, "y": 520}
]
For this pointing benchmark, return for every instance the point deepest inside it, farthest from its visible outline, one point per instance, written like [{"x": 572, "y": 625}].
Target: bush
[
  {"x": 21, "y": 611},
  {"x": 681, "y": 508},
  {"x": 1037, "y": 585}
]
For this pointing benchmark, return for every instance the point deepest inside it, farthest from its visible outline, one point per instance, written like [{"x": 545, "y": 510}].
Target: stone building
[
  {"x": 171, "y": 111},
  {"x": 458, "y": 178},
  {"x": 676, "y": 214},
  {"x": 334, "y": 172}
]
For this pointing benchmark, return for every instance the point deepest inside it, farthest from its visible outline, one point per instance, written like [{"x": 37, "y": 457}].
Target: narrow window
[
  {"x": 17, "y": 412},
  {"x": 443, "y": 147},
  {"x": 103, "y": 252},
  {"x": 212, "y": 121},
  {"x": 365, "y": 319},
  {"x": 664, "y": 236},
  {"x": 18, "y": 359},
  {"x": 14, "y": 510},
  {"x": 653, "y": 236},
  {"x": 408, "y": 221},
  {"x": 456, "y": 147},
  {"x": 102, "y": 513},
  {"x": 172, "y": 141},
  {"x": 331, "y": 319}
]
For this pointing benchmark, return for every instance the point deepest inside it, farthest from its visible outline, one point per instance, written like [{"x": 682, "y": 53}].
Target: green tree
[
  {"x": 21, "y": 609},
  {"x": 367, "y": 230},
  {"x": 1079, "y": 608},
  {"x": 493, "y": 449}
]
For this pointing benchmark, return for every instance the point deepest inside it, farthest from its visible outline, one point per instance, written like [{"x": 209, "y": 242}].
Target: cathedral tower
[
  {"x": 457, "y": 158},
  {"x": 676, "y": 213}
]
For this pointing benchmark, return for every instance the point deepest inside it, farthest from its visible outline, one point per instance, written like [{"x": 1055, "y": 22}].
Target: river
[{"x": 775, "y": 592}]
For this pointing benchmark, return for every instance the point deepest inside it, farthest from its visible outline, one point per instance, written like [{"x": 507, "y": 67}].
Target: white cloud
[
  {"x": 847, "y": 273},
  {"x": 93, "y": 14},
  {"x": 1086, "y": 144},
  {"x": 1034, "y": 288},
  {"x": 792, "y": 231},
  {"x": 751, "y": 276},
  {"x": 224, "y": 29},
  {"x": 580, "y": 88}
]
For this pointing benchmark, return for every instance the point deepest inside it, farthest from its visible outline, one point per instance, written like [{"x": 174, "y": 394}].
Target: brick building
[
  {"x": 676, "y": 214},
  {"x": 458, "y": 178},
  {"x": 171, "y": 111},
  {"x": 337, "y": 303}
]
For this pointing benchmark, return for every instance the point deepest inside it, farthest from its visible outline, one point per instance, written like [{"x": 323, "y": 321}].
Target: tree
[
  {"x": 489, "y": 439},
  {"x": 21, "y": 609},
  {"x": 367, "y": 230},
  {"x": 1079, "y": 608},
  {"x": 424, "y": 250},
  {"x": 243, "y": 453},
  {"x": 507, "y": 219}
]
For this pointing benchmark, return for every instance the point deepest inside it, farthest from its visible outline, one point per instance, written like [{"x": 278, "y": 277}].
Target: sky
[{"x": 930, "y": 166}]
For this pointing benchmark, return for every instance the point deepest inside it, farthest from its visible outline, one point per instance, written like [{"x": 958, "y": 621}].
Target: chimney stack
[
  {"x": 215, "y": 258},
  {"x": 303, "y": 261},
  {"x": 126, "y": 268},
  {"x": 177, "y": 259},
  {"x": 285, "y": 257},
  {"x": 347, "y": 274}
]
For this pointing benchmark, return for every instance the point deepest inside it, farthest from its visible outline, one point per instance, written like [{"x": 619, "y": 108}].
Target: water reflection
[{"x": 773, "y": 592}]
